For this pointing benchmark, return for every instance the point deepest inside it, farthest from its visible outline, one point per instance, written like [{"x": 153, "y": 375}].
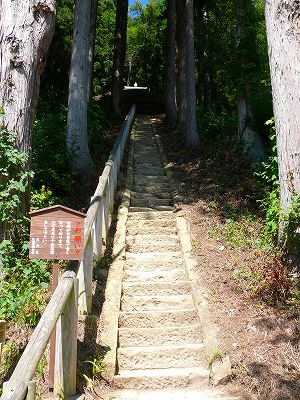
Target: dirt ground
[{"x": 262, "y": 340}]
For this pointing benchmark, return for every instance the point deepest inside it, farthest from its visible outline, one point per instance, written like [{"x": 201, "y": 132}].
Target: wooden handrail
[
  {"x": 16, "y": 387},
  {"x": 74, "y": 291},
  {"x": 98, "y": 215}
]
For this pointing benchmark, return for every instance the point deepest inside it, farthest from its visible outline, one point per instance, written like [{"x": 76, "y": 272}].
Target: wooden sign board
[{"x": 56, "y": 233}]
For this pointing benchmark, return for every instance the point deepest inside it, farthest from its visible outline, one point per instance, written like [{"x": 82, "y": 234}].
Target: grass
[{"x": 215, "y": 355}]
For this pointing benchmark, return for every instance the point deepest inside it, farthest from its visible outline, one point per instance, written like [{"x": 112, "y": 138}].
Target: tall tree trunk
[
  {"x": 181, "y": 74},
  {"x": 171, "y": 113},
  {"x": 119, "y": 55},
  {"x": 191, "y": 134},
  {"x": 283, "y": 33},
  {"x": 204, "y": 91},
  {"x": 92, "y": 46},
  {"x": 26, "y": 31},
  {"x": 253, "y": 143},
  {"x": 77, "y": 135}
]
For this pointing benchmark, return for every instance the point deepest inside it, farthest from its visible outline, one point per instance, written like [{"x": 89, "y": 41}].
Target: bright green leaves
[{"x": 14, "y": 177}]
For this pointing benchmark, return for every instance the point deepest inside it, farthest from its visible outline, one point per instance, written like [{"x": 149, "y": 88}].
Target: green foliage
[
  {"x": 215, "y": 355},
  {"x": 14, "y": 178},
  {"x": 104, "y": 46},
  {"x": 23, "y": 286},
  {"x": 55, "y": 77},
  {"x": 146, "y": 44},
  {"x": 268, "y": 184},
  {"x": 290, "y": 220},
  {"x": 92, "y": 369},
  {"x": 101, "y": 138},
  {"x": 42, "y": 198},
  {"x": 240, "y": 233},
  {"x": 219, "y": 126},
  {"x": 49, "y": 156},
  {"x": 10, "y": 358}
]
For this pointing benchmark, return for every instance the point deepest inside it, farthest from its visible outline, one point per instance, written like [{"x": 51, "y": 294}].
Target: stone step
[
  {"x": 147, "y": 157},
  {"x": 158, "y": 247},
  {"x": 175, "y": 394},
  {"x": 132, "y": 230},
  {"x": 152, "y": 239},
  {"x": 150, "y": 261},
  {"x": 156, "y": 275},
  {"x": 149, "y": 179},
  {"x": 155, "y": 289},
  {"x": 170, "y": 356},
  {"x": 137, "y": 201},
  {"x": 156, "y": 319},
  {"x": 153, "y": 161},
  {"x": 139, "y": 170},
  {"x": 152, "y": 215},
  {"x": 144, "y": 303},
  {"x": 161, "y": 190},
  {"x": 129, "y": 337},
  {"x": 149, "y": 223},
  {"x": 155, "y": 266},
  {"x": 162, "y": 378},
  {"x": 147, "y": 163},
  {"x": 148, "y": 209},
  {"x": 150, "y": 196},
  {"x": 147, "y": 151}
]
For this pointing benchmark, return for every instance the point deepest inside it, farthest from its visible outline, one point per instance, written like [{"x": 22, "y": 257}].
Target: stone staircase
[{"x": 160, "y": 352}]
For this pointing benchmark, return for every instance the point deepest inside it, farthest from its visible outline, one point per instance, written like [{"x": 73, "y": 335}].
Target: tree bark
[
  {"x": 283, "y": 33},
  {"x": 94, "y": 8},
  {"x": 26, "y": 31},
  {"x": 119, "y": 55},
  {"x": 171, "y": 113},
  {"x": 77, "y": 135},
  {"x": 191, "y": 134},
  {"x": 253, "y": 143},
  {"x": 181, "y": 73}
]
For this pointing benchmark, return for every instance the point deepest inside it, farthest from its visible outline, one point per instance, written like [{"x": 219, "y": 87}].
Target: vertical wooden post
[
  {"x": 2, "y": 337},
  {"x": 53, "y": 334},
  {"x": 85, "y": 276},
  {"x": 97, "y": 231},
  {"x": 66, "y": 346},
  {"x": 105, "y": 212},
  {"x": 31, "y": 391}
]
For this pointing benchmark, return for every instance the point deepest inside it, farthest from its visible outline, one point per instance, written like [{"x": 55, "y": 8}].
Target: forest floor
[{"x": 242, "y": 280}]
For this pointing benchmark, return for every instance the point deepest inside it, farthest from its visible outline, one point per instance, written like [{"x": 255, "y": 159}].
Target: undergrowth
[{"x": 246, "y": 197}]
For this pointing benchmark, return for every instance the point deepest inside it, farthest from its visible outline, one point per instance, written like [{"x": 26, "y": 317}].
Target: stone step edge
[
  {"x": 160, "y": 328},
  {"x": 166, "y": 347},
  {"x": 210, "y": 328},
  {"x": 176, "y": 394},
  {"x": 163, "y": 372},
  {"x": 127, "y": 285}
]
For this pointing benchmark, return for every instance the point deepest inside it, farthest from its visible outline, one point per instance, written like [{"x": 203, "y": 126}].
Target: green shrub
[
  {"x": 268, "y": 185},
  {"x": 23, "y": 286}
]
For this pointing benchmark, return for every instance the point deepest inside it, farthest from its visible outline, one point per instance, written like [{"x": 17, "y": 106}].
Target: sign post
[{"x": 56, "y": 233}]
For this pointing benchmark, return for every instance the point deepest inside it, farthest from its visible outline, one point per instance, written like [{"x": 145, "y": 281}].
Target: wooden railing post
[
  {"x": 97, "y": 231},
  {"x": 66, "y": 346},
  {"x": 105, "y": 212},
  {"x": 16, "y": 388},
  {"x": 31, "y": 391},
  {"x": 85, "y": 277}
]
